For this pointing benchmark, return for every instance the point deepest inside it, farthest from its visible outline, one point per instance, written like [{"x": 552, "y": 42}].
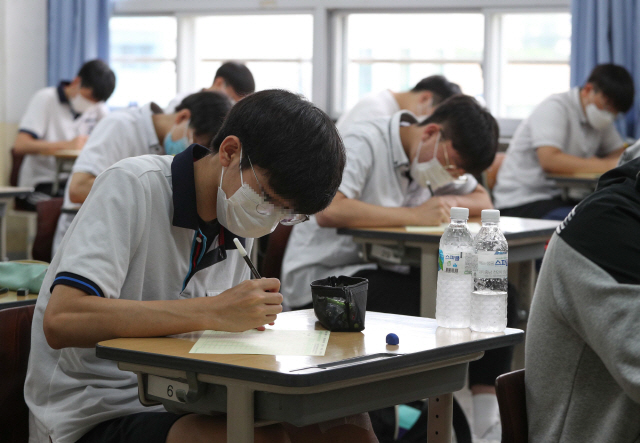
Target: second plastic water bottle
[{"x": 455, "y": 272}]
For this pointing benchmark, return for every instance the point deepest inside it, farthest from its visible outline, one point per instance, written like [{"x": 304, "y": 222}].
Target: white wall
[{"x": 23, "y": 66}]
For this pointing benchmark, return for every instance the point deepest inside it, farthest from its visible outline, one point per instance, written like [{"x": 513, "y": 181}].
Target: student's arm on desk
[
  {"x": 80, "y": 186},
  {"x": 554, "y": 161},
  {"x": 28, "y": 144},
  {"x": 74, "y": 319},
  {"x": 346, "y": 212},
  {"x": 476, "y": 201}
]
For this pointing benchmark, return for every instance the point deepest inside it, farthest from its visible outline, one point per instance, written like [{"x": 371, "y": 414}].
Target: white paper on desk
[
  {"x": 267, "y": 342},
  {"x": 473, "y": 227}
]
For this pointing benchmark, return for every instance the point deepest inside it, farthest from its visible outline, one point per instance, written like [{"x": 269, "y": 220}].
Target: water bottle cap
[
  {"x": 490, "y": 215},
  {"x": 460, "y": 213}
]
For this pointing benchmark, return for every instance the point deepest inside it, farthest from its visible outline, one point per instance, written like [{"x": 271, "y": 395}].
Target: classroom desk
[
  {"x": 526, "y": 237},
  {"x": 565, "y": 182},
  {"x": 358, "y": 373},
  {"x": 64, "y": 162},
  {"x": 7, "y": 194},
  {"x": 11, "y": 300}
]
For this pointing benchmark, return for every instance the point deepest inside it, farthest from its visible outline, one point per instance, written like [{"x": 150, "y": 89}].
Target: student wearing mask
[
  {"x": 54, "y": 121},
  {"x": 421, "y": 101},
  {"x": 125, "y": 269},
  {"x": 386, "y": 157},
  {"x": 232, "y": 78},
  {"x": 140, "y": 131},
  {"x": 568, "y": 133}
]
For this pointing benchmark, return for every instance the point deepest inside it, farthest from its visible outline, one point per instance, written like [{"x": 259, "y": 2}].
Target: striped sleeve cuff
[
  {"x": 31, "y": 133},
  {"x": 78, "y": 282}
]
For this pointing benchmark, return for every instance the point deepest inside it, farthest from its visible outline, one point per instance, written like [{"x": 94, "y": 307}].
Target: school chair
[
  {"x": 19, "y": 208},
  {"x": 15, "y": 343},
  {"x": 48, "y": 214},
  {"x": 512, "y": 401},
  {"x": 274, "y": 253}
]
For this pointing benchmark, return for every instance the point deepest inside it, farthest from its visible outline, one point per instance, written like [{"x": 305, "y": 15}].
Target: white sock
[{"x": 485, "y": 413}]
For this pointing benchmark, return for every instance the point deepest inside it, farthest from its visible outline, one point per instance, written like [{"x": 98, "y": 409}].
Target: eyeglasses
[
  {"x": 288, "y": 218},
  {"x": 450, "y": 167}
]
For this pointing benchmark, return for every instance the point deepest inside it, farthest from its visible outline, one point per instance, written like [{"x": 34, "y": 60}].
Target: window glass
[
  {"x": 275, "y": 59},
  {"x": 396, "y": 51},
  {"x": 143, "y": 57}
]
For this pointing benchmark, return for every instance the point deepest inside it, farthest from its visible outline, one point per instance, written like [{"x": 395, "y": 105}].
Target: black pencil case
[{"x": 340, "y": 303}]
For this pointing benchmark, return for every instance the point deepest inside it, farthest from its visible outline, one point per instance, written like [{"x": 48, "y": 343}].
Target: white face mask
[
  {"x": 598, "y": 118},
  {"x": 80, "y": 104},
  {"x": 239, "y": 213},
  {"x": 432, "y": 173}
]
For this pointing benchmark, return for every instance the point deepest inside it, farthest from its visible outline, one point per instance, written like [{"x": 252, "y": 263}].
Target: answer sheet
[{"x": 267, "y": 342}]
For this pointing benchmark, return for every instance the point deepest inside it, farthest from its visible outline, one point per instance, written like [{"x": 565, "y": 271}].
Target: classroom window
[
  {"x": 396, "y": 51},
  {"x": 143, "y": 56},
  {"x": 278, "y": 53},
  {"x": 536, "y": 49}
]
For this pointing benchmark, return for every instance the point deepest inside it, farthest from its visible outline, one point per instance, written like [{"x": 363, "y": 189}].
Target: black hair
[
  {"x": 97, "y": 75},
  {"x": 208, "y": 110},
  {"x": 295, "y": 142},
  {"x": 441, "y": 88},
  {"x": 472, "y": 130},
  {"x": 615, "y": 83},
  {"x": 238, "y": 77}
]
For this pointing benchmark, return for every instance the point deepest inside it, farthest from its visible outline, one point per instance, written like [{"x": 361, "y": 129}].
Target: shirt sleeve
[
  {"x": 611, "y": 141},
  {"x": 358, "y": 167},
  {"x": 104, "y": 235},
  {"x": 549, "y": 125},
  {"x": 107, "y": 145},
  {"x": 35, "y": 119}
]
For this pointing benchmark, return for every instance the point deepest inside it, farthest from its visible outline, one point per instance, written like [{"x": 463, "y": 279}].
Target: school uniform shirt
[
  {"x": 48, "y": 117},
  {"x": 559, "y": 121},
  {"x": 123, "y": 134},
  {"x": 372, "y": 106},
  {"x": 377, "y": 173},
  {"x": 137, "y": 237}
]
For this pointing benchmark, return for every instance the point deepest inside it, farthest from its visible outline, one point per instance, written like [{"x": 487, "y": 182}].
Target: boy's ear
[
  {"x": 428, "y": 130},
  {"x": 229, "y": 150},
  {"x": 182, "y": 115}
]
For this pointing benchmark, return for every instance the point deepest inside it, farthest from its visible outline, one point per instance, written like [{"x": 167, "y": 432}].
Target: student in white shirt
[
  {"x": 422, "y": 100},
  {"x": 139, "y": 131},
  {"x": 153, "y": 238},
  {"x": 232, "y": 78},
  {"x": 568, "y": 133},
  {"x": 53, "y": 122}
]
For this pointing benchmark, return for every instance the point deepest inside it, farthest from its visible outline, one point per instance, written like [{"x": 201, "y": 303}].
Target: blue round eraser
[{"x": 392, "y": 339}]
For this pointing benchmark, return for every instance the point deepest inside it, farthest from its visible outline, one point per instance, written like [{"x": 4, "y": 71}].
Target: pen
[
  {"x": 244, "y": 255},
  {"x": 430, "y": 189}
]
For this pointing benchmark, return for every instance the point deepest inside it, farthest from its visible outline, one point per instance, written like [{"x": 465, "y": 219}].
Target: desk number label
[{"x": 165, "y": 387}]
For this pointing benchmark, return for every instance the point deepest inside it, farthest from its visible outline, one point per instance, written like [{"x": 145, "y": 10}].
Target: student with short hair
[
  {"x": 568, "y": 133},
  {"x": 582, "y": 353},
  {"x": 55, "y": 118},
  {"x": 129, "y": 267},
  {"x": 232, "y": 78},
  {"x": 422, "y": 100},
  {"x": 140, "y": 131}
]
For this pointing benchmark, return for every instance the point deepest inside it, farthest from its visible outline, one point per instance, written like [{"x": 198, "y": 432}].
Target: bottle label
[
  {"x": 454, "y": 261},
  {"x": 492, "y": 264}
]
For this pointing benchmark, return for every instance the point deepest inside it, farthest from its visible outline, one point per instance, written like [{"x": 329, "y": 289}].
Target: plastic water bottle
[
  {"x": 456, "y": 262},
  {"x": 489, "y": 297}
]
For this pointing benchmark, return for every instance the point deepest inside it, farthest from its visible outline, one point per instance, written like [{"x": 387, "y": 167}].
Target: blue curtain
[
  {"x": 78, "y": 32},
  {"x": 606, "y": 31}
]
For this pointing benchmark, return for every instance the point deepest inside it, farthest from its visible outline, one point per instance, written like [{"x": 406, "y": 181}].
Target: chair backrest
[
  {"x": 276, "y": 245},
  {"x": 491, "y": 173},
  {"x": 48, "y": 215},
  {"x": 16, "y": 162},
  {"x": 15, "y": 343},
  {"x": 513, "y": 407}
]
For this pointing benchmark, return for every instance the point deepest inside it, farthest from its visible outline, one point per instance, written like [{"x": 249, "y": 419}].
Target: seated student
[
  {"x": 583, "y": 342},
  {"x": 567, "y": 133},
  {"x": 232, "y": 78},
  {"x": 138, "y": 131},
  {"x": 52, "y": 122},
  {"x": 125, "y": 269},
  {"x": 421, "y": 101}
]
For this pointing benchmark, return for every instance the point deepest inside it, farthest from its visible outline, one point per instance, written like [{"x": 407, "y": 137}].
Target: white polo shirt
[
  {"x": 48, "y": 117},
  {"x": 137, "y": 237},
  {"x": 558, "y": 121},
  {"x": 375, "y": 173},
  {"x": 372, "y": 106},
  {"x": 122, "y": 134}
]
